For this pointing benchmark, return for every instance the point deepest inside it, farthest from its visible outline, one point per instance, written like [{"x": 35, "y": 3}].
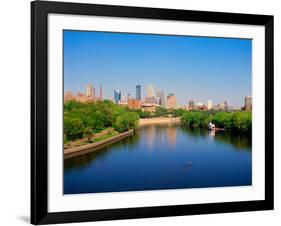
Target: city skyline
[
  {"x": 123, "y": 61},
  {"x": 151, "y": 97}
]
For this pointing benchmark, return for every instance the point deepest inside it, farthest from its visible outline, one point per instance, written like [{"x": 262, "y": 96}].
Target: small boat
[{"x": 211, "y": 126}]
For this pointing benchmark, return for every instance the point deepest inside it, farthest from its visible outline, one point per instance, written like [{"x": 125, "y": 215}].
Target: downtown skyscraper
[
  {"x": 150, "y": 91},
  {"x": 161, "y": 96},
  {"x": 248, "y": 103},
  {"x": 90, "y": 91},
  {"x": 117, "y": 96},
  {"x": 138, "y": 92},
  {"x": 171, "y": 101}
]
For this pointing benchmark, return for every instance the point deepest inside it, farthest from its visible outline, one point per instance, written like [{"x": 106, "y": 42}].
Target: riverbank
[
  {"x": 167, "y": 121},
  {"x": 85, "y": 140},
  {"x": 83, "y": 149},
  {"x": 235, "y": 121},
  {"x": 159, "y": 120}
]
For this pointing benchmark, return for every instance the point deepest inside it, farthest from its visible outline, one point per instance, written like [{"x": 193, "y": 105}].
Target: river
[{"x": 162, "y": 157}]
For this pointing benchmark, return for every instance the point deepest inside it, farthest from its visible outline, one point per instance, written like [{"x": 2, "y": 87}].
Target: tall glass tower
[
  {"x": 117, "y": 96},
  {"x": 138, "y": 92}
]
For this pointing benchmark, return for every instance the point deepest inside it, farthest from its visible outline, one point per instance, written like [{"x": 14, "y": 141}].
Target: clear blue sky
[{"x": 193, "y": 68}]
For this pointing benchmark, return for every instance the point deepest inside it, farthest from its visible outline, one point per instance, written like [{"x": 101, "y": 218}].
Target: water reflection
[
  {"x": 238, "y": 141},
  {"x": 168, "y": 136},
  {"x": 195, "y": 132},
  {"x": 212, "y": 133},
  {"x": 83, "y": 160},
  {"x": 156, "y": 157},
  {"x": 150, "y": 133},
  {"x": 172, "y": 136}
]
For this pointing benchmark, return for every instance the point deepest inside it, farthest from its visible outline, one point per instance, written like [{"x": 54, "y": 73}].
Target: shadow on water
[
  {"x": 84, "y": 160},
  {"x": 195, "y": 132},
  {"x": 239, "y": 141},
  {"x": 163, "y": 157}
]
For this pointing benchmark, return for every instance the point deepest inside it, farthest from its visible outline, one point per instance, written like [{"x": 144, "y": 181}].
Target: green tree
[
  {"x": 88, "y": 132},
  {"x": 195, "y": 118},
  {"x": 242, "y": 121},
  {"x": 223, "y": 120},
  {"x": 73, "y": 128},
  {"x": 160, "y": 112},
  {"x": 177, "y": 112},
  {"x": 126, "y": 122}
]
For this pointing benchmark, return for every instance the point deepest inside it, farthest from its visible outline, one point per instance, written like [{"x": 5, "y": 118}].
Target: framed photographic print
[{"x": 144, "y": 112}]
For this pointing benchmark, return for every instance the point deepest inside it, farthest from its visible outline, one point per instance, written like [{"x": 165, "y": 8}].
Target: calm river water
[{"x": 162, "y": 157}]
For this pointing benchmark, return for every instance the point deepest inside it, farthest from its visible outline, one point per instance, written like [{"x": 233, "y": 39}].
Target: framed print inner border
[
  {"x": 39, "y": 111},
  {"x": 57, "y": 202}
]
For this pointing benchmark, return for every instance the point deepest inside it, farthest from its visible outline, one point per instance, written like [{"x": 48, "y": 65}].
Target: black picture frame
[{"x": 39, "y": 112}]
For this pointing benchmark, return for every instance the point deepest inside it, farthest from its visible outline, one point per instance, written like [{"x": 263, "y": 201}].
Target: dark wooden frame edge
[{"x": 39, "y": 112}]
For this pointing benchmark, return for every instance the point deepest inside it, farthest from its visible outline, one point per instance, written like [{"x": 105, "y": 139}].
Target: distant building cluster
[
  {"x": 151, "y": 100},
  {"x": 209, "y": 106},
  {"x": 88, "y": 96},
  {"x": 225, "y": 106}
]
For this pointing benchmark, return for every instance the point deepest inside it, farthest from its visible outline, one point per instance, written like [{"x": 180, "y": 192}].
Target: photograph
[
  {"x": 140, "y": 112},
  {"x": 155, "y": 111}
]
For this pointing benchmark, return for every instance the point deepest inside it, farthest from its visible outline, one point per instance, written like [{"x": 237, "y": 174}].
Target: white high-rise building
[
  {"x": 150, "y": 91},
  {"x": 210, "y": 104},
  {"x": 90, "y": 91}
]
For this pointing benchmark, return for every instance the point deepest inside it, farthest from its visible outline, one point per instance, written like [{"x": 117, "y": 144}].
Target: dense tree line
[
  {"x": 85, "y": 119},
  {"x": 238, "y": 121}
]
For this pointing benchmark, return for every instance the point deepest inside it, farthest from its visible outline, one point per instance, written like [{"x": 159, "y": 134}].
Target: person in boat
[{"x": 211, "y": 126}]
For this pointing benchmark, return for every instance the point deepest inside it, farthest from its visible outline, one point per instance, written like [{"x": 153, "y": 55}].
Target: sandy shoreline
[{"x": 159, "y": 120}]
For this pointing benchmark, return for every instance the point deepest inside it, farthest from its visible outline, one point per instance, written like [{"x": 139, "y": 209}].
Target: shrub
[
  {"x": 126, "y": 122},
  {"x": 240, "y": 121},
  {"x": 73, "y": 128},
  {"x": 88, "y": 132},
  {"x": 196, "y": 118},
  {"x": 82, "y": 118},
  {"x": 223, "y": 120}
]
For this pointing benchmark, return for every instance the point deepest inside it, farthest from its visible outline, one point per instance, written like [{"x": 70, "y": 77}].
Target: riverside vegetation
[
  {"x": 84, "y": 120},
  {"x": 234, "y": 121},
  {"x": 237, "y": 121}
]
